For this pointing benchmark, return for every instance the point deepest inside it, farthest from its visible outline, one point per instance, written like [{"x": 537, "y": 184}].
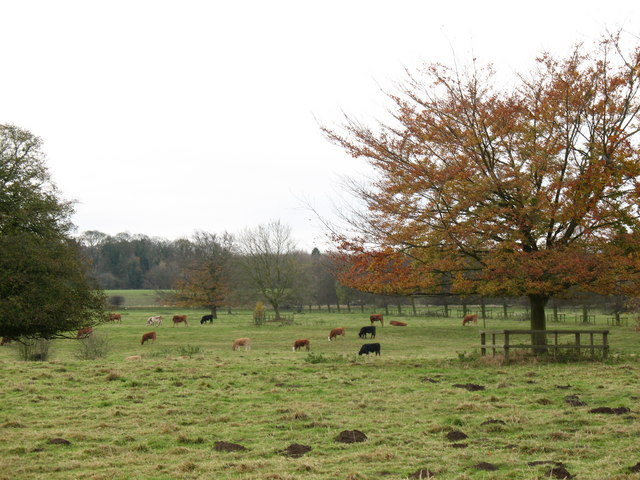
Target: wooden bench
[{"x": 555, "y": 335}]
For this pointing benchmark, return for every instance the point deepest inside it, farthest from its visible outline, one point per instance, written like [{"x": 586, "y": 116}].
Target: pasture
[{"x": 191, "y": 408}]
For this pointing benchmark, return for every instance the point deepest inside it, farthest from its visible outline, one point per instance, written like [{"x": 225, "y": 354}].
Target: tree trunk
[
  {"x": 538, "y": 320},
  {"x": 214, "y": 312}
]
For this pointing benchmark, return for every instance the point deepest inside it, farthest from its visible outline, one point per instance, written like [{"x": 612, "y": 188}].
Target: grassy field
[{"x": 427, "y": 403}]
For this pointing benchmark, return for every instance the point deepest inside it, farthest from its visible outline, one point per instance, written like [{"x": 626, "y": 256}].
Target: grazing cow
[
  {"x": 84, "y": 332},
  {"x": 470, "y": 318},
  {"x": 376, "y": 317},
  {"x": 206, "y": 318},
  {"x": 241, "y": 342},
  {"x": 180, "y": 319},
  {"x": 397, "y": 323},
  {"x": 370, "y": 330},
  {"x": 298, "y": 344},
  {"x": 157, "y": 320},
  {"x": 115, "y": 317},
  {"x": 368, "y": 348},
  {"x": 148, "y": 336},
  {"x": 335, "y": 332},
  {"x": 5, "y": 340}
]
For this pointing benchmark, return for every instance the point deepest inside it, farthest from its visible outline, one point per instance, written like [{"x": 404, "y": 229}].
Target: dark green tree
[{"x": 44, "y": 291}]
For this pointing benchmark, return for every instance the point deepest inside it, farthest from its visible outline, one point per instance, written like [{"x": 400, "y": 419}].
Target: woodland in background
[{"x": 137, "y": 261}]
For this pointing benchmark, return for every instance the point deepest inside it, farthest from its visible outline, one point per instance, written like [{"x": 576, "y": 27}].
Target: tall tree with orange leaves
[{"x": 527, "y": 189}]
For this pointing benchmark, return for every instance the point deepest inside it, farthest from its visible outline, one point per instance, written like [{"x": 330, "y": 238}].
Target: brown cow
[
  {"x": 377, "y": 317},
  {"x": 298, "y": 344},
  {"x": 84, "y": 332},
  {"x": 115, "y": 317},
  {"x": 470, "y": 318},
  {"x": 180, "y": 319},
  {"x": 148, "y": 336},
  {"x": 397, "y": 323},
  {"x": 335, "y": 332},
  {"x": 241, "y": 342},
  {"x": 5, "y": 340}
]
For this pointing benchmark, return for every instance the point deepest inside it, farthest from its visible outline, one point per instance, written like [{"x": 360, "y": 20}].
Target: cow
[
  {"x": 84, "y": 332},
  {"x": 298, "y": 344},
  {"x": 376, "y": 317},
  {"x": 396, "y": 323},
  {"x": 115, "y": 317},
  {"x": 470, "y": 318},
  {"x": 335, "y": 332},
  {"x": 148, "y": 336},
  {"x": 368, "y": 348},
  {"x": 157, "y": 320},
  {"x": 241, "y": 342},
  {"x": 180, "y": 319},
  {"x": 206, "y": 318},
  {"x": 5, "y": 340},
  {"x": 370, "y": 330}
]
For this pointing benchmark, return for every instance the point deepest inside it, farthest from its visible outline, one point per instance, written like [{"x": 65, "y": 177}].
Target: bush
[
  {"x": 94, "y": 346},
  {"x": 38, "y": 350}
]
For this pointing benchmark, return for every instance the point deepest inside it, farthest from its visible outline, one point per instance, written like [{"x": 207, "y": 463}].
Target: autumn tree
[
  {"x": 526, "y": 188},
  {"x": 44, "y": 290},
  {"x": 205, "y": 278},
  {"x": 270, "y": 259}
]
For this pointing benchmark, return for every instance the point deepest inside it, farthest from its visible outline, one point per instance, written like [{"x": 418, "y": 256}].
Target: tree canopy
[
  {"x": 44, "y": 291},
  {"x": 528, "y": 189}
]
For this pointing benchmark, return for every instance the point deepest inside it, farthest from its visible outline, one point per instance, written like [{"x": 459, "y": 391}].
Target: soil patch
[
  {"x": 422, "y": 473},
  {"x": 574, "y": 401},
  {"x": 609, "y": 410},
  {"x": 472, "y": 387},
  {"x": 228, "y": 447},
  {"x": 486, "y": 467},
  {"x": 429, "y": 380},
  {"x": 456, "y": 435},
  {"x": 59, "y": 441},
  {"x": 296, "y": 450},
  {"x": 545, "y": 462},
  {"x": 563, "y": 387},
  {"x": 635, "y": 468},
  {"x": 351, "y": 436},
  {"x": 458, "y": 445},
  {"x": 559, "y": 472},
  {"x": 493, "y": 422}
]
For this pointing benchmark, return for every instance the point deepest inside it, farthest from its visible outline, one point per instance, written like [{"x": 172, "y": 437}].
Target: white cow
[{"x": 154, "y": 320}]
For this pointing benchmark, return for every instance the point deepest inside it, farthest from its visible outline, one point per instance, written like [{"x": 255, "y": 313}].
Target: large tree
[
  {"x": 206, "y": 275},
  {"x": 44, "y": 291},
  {"x": 528, "y": 187},
  {"x": 270, "y": 259}
]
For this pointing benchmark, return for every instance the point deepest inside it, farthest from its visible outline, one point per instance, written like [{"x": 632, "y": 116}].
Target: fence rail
[{"x": 578, "y": 345}]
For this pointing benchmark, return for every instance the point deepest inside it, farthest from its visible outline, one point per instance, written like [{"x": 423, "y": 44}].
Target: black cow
[
  {"x": 368, "y": 348},
  {"x": 206, "y": 318},
  {"x": 364, "y": 330}
]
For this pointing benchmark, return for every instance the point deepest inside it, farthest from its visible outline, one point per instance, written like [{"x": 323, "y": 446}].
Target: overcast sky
[{"x": 167, "y": 117}]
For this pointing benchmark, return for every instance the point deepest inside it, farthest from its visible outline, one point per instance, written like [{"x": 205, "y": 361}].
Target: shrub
[
  {"x": 94, "y": 346},
  {"x": 37, "y": 350}
]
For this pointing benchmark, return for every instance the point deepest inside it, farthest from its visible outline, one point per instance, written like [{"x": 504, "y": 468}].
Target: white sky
[{"x": 167, "y": 117}]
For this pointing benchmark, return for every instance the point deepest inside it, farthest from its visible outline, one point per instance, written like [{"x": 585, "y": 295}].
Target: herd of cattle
[{"x": 239, "y": 343}]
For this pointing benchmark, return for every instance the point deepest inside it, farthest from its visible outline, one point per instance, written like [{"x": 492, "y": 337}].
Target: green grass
[{"x": 159, "y": 418}]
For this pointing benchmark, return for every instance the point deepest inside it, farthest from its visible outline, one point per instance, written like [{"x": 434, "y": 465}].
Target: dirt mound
[
  {"x": 493, "y": 422},
  {"x": 228, "y": 447},
  {"x": 296, "y": 450},
  {"x": 422, "y": 473},
  {"x": 635, "y": 468},
  {"x": 563, "y": 387},
  {"x": 456, "y": 435},
  {"x": 558, "y": 472},
  {"x": 574, "y": 401},
  {"x": 59, "y": 441},
  {"x": 609, "y": 410},
  {"x": 458, "y": 445},
  {"x": 429, "y": 380},
  {"x": 472, "y": 387},
  {"x": 351, "y": 436},
  {"x": 486, "y": 467}
]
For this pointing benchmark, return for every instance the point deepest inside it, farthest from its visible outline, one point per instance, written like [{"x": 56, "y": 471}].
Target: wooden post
[
  {"x": 578, "y": 342},
  {"x": 506, "y": 344},
  {"x": 483, "y": 342},
  {"x": 555, "y": 342},
  {"x": 493, "y": 342},
  {"x": 591, "y": 341},
  {"x": 605, "y": 344}
]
